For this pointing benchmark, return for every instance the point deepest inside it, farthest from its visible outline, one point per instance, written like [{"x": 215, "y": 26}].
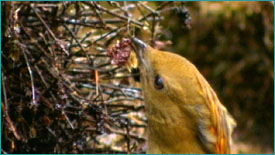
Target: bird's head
[
  {"x": 179, "y": 100},
  {"x": 167, "y": 78}
]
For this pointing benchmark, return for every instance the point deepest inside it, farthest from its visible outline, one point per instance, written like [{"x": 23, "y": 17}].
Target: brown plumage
[{"x": 184, "y": 113}]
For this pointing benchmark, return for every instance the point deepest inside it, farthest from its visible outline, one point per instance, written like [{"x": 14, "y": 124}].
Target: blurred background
[{"x": 61, "y": 94}]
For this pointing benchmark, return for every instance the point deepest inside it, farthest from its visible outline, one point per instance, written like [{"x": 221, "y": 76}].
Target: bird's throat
[
  {"x": 170, "y": 129},
  {"x": 171, "y": 138}
]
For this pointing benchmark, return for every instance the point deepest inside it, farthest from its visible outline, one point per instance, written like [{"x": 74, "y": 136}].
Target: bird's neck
[{"x": 169, "y": 134}]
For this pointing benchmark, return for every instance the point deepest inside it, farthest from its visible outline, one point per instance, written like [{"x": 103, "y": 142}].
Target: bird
[{"x": 184, "y": 114}]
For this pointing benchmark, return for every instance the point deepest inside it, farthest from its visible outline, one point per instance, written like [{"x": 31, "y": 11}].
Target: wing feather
[{"x": 214, "y": 131}]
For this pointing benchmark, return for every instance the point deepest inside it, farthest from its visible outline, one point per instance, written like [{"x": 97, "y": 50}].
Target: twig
[
  {"x": 79, "y": 44},
  {"x": 158, "y": 9},
  {"x": 31, "y": 75},
  {"x": 3, "y": 151},
  {"x": 113, "y": 14},
  {"x": 12, "y": 128},
  {"x": 6, "y": 108},
  {"x": 68, "y": 120},
  {"x": 57, "y": 41}
]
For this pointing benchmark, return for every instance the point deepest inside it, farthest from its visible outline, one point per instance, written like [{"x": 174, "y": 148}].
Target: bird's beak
[
  {"x": 138, "y": 43},
  {"x": 139, "y": 47}
]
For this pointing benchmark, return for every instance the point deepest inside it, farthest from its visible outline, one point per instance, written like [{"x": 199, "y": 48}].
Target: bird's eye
[{"x": 158, "y": 82}]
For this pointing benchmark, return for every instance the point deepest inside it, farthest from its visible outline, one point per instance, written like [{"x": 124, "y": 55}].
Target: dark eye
[{"x": 158, "y": 82}]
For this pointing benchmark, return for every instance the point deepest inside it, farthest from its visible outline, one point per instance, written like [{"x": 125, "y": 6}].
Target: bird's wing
[{"x": 214, "y": 131}]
